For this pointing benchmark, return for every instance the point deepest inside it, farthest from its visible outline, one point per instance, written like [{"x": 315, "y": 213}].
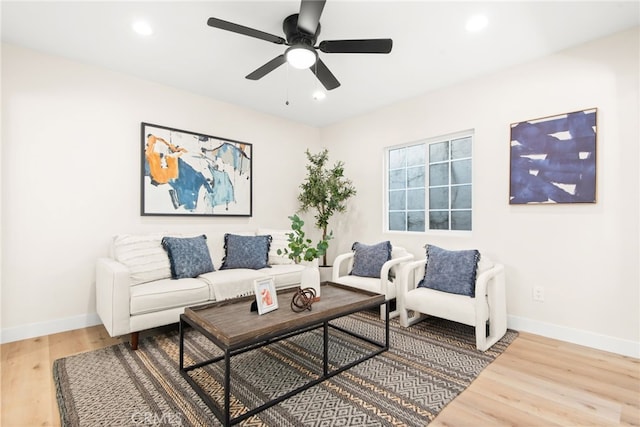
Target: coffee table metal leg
[
  {"x": 325, "y": 355},
  {"x": 181, "y": 345},
  {"x": 386, "y": 326},
  {"x": 227, "y": 387}
]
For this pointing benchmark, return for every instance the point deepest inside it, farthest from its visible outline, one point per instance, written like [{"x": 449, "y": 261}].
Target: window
[{"x": 429, "y": 184}]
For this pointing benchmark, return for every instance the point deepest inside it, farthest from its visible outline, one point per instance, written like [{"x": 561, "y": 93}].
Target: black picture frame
[{"x": 185, "y": 173}]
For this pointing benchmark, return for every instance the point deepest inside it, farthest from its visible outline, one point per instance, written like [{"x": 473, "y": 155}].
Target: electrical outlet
[{"x": 538, "y": 293}]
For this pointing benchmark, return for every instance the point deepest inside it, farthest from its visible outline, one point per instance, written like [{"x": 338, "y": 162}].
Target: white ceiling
[{"x": 431, "y": 48}]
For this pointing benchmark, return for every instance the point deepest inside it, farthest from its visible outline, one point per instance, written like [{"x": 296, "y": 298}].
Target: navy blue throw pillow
[
  {"x": 246, "y": 252},
  {"x": 451, "y": 271},
  {"x": 188, "y": 256},
  {"x": 368, "y": 259}
]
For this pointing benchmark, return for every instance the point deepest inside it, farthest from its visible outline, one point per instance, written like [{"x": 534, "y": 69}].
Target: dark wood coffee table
[{"x": 234, "y": 329}]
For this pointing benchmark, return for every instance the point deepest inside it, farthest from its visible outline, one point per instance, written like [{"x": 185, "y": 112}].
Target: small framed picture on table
[{"x": 266, "y": 297}]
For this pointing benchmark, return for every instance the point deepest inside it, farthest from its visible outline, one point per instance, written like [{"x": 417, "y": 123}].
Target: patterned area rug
[{"x": 428, "y": 365}]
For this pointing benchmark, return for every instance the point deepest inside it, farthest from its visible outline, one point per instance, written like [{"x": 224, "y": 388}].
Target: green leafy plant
[
  {"x": 301, "y": 247},
  {"x": 325, "y": 191}
]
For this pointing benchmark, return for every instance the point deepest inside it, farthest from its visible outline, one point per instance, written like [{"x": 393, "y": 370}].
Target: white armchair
[
  {"x": 488, "y": 305},
  {"x": 385, "y": 284}
]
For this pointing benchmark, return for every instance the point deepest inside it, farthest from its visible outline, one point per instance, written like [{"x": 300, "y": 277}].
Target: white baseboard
[
  {"x": 575, "y": 336},
  {"x": 33, "y": 330}
]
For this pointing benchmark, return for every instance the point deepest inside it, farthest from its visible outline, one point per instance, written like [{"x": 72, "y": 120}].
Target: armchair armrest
[
  {"x": 491, "y": 284},
  {"x": 410, "y": 274},
  {"x": 491, "y": 293},
  {"x": 386, "y": 267},
  {"x": 490, "y": 281},
  {"x": 113, "y": 295},
  {"x": 346, "y": 259}
]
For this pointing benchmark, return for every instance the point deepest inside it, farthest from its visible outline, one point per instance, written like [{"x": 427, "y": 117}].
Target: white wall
[
  {"x": 584, "y": 255},
  {"x": 71, "y": 178}
]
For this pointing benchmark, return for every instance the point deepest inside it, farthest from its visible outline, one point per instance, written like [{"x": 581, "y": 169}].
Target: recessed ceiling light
[
  {"x": 143, "y": 28},
  {"x": 477, "y": 23},
  {"x": 319, "y": 95}
]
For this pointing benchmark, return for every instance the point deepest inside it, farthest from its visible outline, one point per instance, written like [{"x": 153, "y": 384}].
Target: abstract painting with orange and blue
[{"x": 186, "y": 173}]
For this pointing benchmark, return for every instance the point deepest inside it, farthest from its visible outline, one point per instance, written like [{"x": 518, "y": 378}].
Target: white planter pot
[
  {"x": 311, "y": 277},
  {"x": 326, "y": 273}
]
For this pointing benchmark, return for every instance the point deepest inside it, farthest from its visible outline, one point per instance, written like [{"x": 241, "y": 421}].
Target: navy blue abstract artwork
[{"x": 553, "y": 159}]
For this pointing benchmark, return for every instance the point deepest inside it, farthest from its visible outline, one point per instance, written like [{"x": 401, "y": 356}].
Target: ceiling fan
[{"x": 301, "y": 31}]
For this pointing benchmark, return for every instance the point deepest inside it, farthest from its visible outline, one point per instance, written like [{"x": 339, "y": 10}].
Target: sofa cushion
[
  {"x": 167, "y": 293},
  {"x": 451, "y": 271},
  {"x": 231, "y": 283},
  {"x": 246, "y": 252},
  {"x": 284, "y": 275},
  {"x": 143, "y": 255},
  {"x": 368, "y": 259},
  {"x": 279, "y": 240},
  {"x": 189, "y": 256}
]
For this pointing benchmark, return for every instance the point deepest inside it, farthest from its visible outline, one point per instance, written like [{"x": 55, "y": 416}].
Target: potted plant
[
  {"x": 300, "y": 248},
  {"x": 302, "y": 251},
  {"x": 325, "y": 191}
]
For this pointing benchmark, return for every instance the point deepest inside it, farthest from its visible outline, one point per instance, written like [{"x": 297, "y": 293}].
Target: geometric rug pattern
[{"x": 426, "y": 367}]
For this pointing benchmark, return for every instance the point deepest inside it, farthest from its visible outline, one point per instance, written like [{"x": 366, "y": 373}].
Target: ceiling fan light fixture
[
  {"x": 301, "y": 56},
  {"x": 301, "y": 32}
]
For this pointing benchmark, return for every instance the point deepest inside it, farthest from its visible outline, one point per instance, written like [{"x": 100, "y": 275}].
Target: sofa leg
[{"x": 134, "y": 340}]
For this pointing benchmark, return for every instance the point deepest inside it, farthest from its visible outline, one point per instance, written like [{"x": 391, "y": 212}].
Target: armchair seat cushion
[
  {"x": 369, "y": 284},
  {"x": 167, "y": 293},
  {"x": 459, "y": 308}
]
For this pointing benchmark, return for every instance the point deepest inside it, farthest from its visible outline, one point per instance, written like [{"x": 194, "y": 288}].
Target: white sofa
[{"x": 135, "y": 291}]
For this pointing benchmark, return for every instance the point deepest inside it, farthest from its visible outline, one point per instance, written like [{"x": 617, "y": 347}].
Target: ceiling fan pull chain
[{"x": 315, "y": 66}]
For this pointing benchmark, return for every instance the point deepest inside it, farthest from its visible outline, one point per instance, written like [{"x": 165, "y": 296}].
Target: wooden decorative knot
[{"x": 303, "y": 299}]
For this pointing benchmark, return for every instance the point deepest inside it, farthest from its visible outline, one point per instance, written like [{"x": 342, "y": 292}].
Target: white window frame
[{"x": 427, "y": 141}]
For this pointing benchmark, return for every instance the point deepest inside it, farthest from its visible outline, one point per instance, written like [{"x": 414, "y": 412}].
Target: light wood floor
[{"x": 536, "y": 382}]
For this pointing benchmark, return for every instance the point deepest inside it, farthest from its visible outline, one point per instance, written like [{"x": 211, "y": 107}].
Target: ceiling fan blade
[
  {"x": 267, "y": 68},
  {"x": 241, "y": 29},
  {"x": 356, "y": 46},
  {"x": 325, "y": 76},
  {"x": 309, "y": 16}
]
